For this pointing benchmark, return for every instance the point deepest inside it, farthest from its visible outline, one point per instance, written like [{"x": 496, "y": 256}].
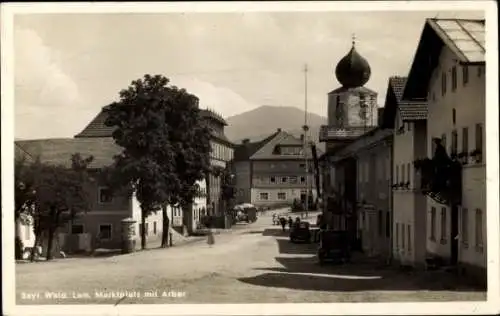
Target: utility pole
[{"x": 306, "y": 128}]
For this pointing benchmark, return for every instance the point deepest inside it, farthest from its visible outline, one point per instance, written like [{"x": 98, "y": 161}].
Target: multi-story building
[
  {"x": 448, "y": 71},
  {"x": 408, "y": 122},
  {"x": 242, "y": 167},
  {"x": 104, "y": 218},
  {"x": 220, "y": 157},
  {"x": 274, "y": 170},
  {"x": 362, "y": 181}
]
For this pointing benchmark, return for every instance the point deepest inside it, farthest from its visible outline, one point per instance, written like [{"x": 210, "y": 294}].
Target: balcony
[{"x": 330, "y": 133}]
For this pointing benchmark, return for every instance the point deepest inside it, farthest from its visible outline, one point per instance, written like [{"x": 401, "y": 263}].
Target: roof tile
[{"x": 58, "y": 151}]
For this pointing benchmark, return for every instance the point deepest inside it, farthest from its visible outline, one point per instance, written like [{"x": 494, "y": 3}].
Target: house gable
[{"x": 465, "y": 38}]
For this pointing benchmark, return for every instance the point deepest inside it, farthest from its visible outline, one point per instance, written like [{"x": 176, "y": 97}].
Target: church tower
[{"x": 352, "y": 108}]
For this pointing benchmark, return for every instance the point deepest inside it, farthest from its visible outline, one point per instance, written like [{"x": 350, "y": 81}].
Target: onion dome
[{"x": 353, "y": 70}]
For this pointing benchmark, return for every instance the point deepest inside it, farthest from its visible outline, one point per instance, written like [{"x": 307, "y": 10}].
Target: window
[
  {"x": 388, "y": 224},
  {"x": 105, "y": 231},
  {"x": 380, "y": 223},
  {"x": 433, "y": 223},
  {"x": 302, "y": 165},
  {"x": 408, "y": 170},
  {"x": 397, "y": 236},
  {"x": 479, "y": 71},
  {"x": 105, "y": 195},
  {"x": 281, "y": 196},
  {"x": 154, "y": 224},
  {"x": 293, "y": 179},
  {"x": 443, "y": 224},
  {"x": 403, "y": 172},
  {"x": 465, "y": 140},
  {"x": 409, "y": 237},
  {"x": 409, "y": 126},
  {"x": 147, "y": 229},
  {"x": 75, "y": 229},
  {"x": 264, "y": 196},
  {"x": 479, "y": 228},
  {"x": 465, "y": 227},
  {"x": 284, "y": 179},
  {"x": 454, "y": 142},
  {"x": 403, "y": 236},
  {"x": 273, "y": 179},
  {"x": 453, "y": 78},
  {"x": 454, "y": 116},
  {"x": 443, "y": 83},
  {"x": 397, "y": 174},
  {"x": 302, "y": 179},
  {"x": 479, "y": 138},
  {"x": 465, "y": 75},
  {"x": 443, "y": 142}
]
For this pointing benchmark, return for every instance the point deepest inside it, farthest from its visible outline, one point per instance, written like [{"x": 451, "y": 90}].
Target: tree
[
  {"x": 165, "y": 145},
  {"x": 51, "y": 195},
  {"x": 23, "y": 199}
]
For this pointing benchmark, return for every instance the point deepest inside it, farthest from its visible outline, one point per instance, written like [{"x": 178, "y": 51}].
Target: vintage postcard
[{"x": 250, "y": 158}]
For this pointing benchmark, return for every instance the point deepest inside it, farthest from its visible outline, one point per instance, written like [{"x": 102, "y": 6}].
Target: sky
[{"x": 68, "y": 66}]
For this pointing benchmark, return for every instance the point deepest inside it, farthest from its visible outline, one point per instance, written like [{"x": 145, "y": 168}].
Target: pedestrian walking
[
  {"x": 283, "y": 223},
  {"x": 290, "y": 223}
]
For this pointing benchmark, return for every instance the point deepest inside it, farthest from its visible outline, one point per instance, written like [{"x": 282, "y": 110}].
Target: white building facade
[
  {"x": 450, "y": 62},
  {"x": 408, "y": 122}
]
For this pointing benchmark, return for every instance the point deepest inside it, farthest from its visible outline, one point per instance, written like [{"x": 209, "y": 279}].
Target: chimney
[
  {"x": 302, "y": 137},
  {"x": 245, "y": 141},
  {"x": 278, "y": 130}
]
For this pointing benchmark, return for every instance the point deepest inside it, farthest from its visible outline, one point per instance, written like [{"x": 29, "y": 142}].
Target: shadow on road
[
  {"x": 304, "y": 273},
  {"x": 276, "y": 232},
  {"x": 287, "y": 247}
]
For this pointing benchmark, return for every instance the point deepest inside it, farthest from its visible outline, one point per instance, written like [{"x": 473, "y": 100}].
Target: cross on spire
[{"x": 353, "y": 39}]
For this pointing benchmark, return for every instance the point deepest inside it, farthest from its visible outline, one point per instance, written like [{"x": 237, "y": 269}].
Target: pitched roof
[
  {"x": 267, "y": 151},
  {"x": 98, "y": 128},
  {"x": 58, "y": 151},
  {"x": 465, "y": 38},
  {"x": 367, "y": 140},
  {"x": 408, "y": 110},
  {"x": 244, "y": 151}
]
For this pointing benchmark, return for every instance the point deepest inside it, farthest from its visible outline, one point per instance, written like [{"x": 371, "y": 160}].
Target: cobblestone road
[{"x": 252, "y": 264}]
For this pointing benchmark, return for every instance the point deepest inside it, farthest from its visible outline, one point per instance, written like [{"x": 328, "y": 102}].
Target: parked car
[
  {"x": 300, "y": 232},
  {"x": 333, "y": 247}
]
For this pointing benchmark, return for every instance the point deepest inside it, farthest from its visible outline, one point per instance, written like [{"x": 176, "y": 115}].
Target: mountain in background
[{"x": 261, "y": 122}]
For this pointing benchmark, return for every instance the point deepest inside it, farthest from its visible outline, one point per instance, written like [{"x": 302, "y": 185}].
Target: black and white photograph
[{"x": 250, "y": 158}]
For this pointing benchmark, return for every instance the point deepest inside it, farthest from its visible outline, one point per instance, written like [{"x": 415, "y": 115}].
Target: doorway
[{"x": 454, "y": 235}]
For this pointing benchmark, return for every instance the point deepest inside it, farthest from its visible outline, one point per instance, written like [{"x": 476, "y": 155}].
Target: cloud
[
  {"x": 45, "y": 96},
  {"x": 221, "y": 99}
]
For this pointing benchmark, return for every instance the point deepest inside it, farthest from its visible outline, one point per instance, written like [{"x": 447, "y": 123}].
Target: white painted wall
[
  {"x": 291, "y": 194},
  {"x": 409, "y": 204},
  {"x": 469, "y": 102},
  {"x": 150, "y": 221}
]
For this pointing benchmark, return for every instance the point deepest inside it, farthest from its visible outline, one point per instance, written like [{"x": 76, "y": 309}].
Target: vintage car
[
  {"x": 333, "y": 246},
  {"x": 246, "y": 213},
  {"x": 300, "y": 232}
]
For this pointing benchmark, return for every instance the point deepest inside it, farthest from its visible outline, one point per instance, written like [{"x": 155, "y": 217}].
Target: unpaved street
[{"x": 253, "y": 264}]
